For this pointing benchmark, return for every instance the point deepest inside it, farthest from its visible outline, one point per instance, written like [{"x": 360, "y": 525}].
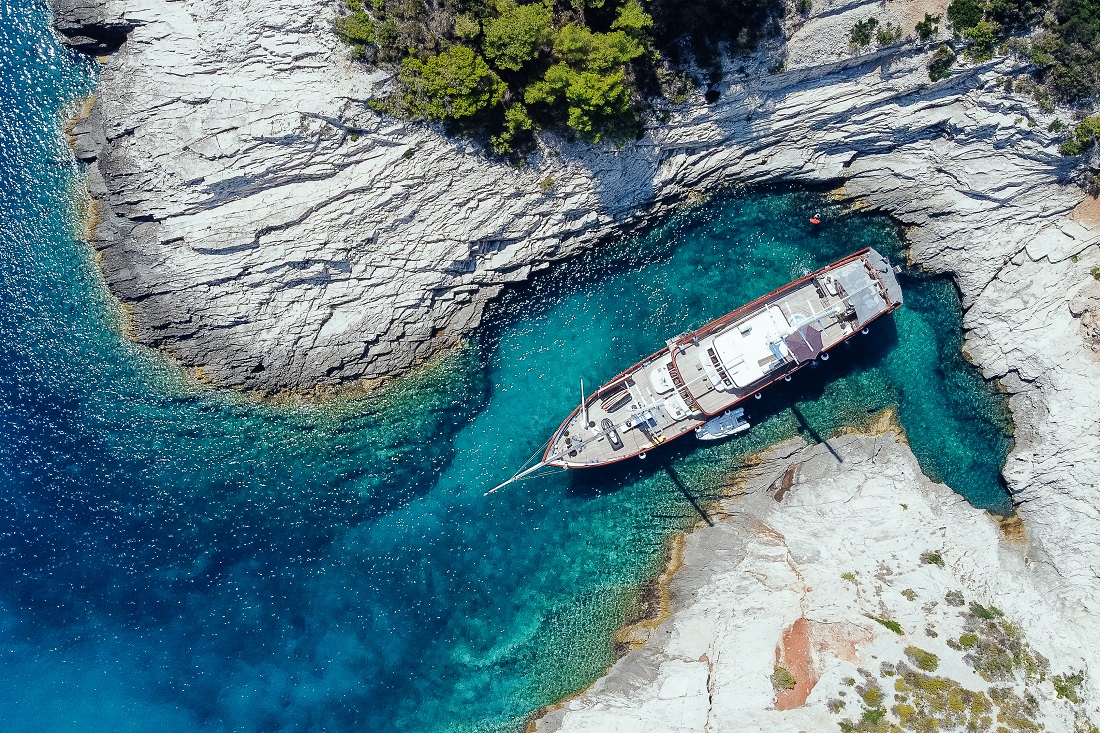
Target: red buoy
[{"x": 815, "y": 219}]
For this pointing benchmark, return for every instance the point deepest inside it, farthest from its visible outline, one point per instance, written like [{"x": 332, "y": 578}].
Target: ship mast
[{"x": 584, "y": 407}]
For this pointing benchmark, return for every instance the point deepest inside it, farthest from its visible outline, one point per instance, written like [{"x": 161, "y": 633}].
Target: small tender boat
[
  {"x": 730, "y": 422},
  {"x": 695, "y": 381}
]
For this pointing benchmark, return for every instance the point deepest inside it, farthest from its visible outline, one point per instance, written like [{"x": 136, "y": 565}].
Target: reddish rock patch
[
  {"x": 785, "y": 483},
  {"x": 805, "y": 644},
  {"x": 838, "y": 639},
  {"x": 1087, "y": 212},
  {"x": 794, "y": 654}
]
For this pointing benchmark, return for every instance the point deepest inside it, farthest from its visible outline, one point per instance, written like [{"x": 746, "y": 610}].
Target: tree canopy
[
  {"x": 1070, "y": 50},
  {"x": 452, "y": 85},
  {"x": 1066, "y": 51},
  {"x": 503, "y": 69},
  {"x": 517, "y": 35},
  {"x": 507, "y": 68}
]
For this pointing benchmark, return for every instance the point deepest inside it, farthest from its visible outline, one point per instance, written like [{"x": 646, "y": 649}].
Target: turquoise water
[{"x": 179, "y": 559}]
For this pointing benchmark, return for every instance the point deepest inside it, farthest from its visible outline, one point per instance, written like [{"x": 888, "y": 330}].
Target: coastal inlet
[{"x": 182, "y": 559}]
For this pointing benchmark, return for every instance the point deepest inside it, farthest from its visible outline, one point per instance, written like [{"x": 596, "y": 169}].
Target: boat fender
[
  {"x": 787, "y": 378},
  {"x": 865, "y": 331},
  {"x": 758, "y": 395},
  {"x": 824, "y": 357},
  {"x": 641, "y": 456}
]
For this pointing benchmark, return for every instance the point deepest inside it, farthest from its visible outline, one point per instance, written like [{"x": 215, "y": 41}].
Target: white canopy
[{"x": 750, "y": 349}]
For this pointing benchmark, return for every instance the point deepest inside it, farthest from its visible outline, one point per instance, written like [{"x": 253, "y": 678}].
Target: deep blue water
[{"x": 179, "y": 559}]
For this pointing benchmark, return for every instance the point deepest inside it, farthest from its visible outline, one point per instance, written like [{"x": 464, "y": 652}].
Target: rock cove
[{"x": 271, "y": 229}]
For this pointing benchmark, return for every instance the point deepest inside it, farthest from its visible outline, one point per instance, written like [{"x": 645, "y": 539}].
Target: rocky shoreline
[
  {"x": 262, "y": 223},
  {"x": 794, "y": 577}
]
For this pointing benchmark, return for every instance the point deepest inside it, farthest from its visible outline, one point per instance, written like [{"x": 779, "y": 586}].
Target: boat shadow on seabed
[{"x": 806, "y": 385}]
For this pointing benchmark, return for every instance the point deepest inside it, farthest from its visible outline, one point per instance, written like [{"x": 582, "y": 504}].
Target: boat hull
[{"x": 706, "y": 372}]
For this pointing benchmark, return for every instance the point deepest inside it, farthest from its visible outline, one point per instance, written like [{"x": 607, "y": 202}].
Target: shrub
[
  {"x": 452, "y": 85},
  {"x": 591, "y": 98},
  {"x": 872, "y": 717},
  {"x": 597, "y": 52},
  {"x": 804, "y": 6},
  {"x": 517, "y": 124},
  {"x": 1016, "y": 13},
  {"x": 986, "y": 614},
  {"x": 910, "y": 594},
  {"x": 932, "y": 558},
  {"x": 515, "y": 36},
  {"x": 467, "y": 26},
  {"x": 546, "y": 185},
  {"x": 386, "y": 35},
  {"x": 1056, "y": 126},
  {"x": 355, "y": 29},
  {"x": 926, "y": 661},
  {"x": 965, "y": 14},
  {"x": 633, "y": 20},
  {"x": 888, "y": 34},
  {"x": 1095, "y": 273},
  {"x": 861, "y": 32},
  {"x": 850, "y": 577},
  {"x": 968, "y": 641},
  {"x": 677, "y": 86},
  {"x": 939, "y": 67},
  {"x": 1066, "y": 686},
  {"x": 892, "y": 625},
  {"x": 928, "y": 27},
  {"x": 872, "y": 695},
  {"x": 983, "y": 39},
  {"x": 782, "y": 679},
  {"x": 1083, "y": 138}
]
